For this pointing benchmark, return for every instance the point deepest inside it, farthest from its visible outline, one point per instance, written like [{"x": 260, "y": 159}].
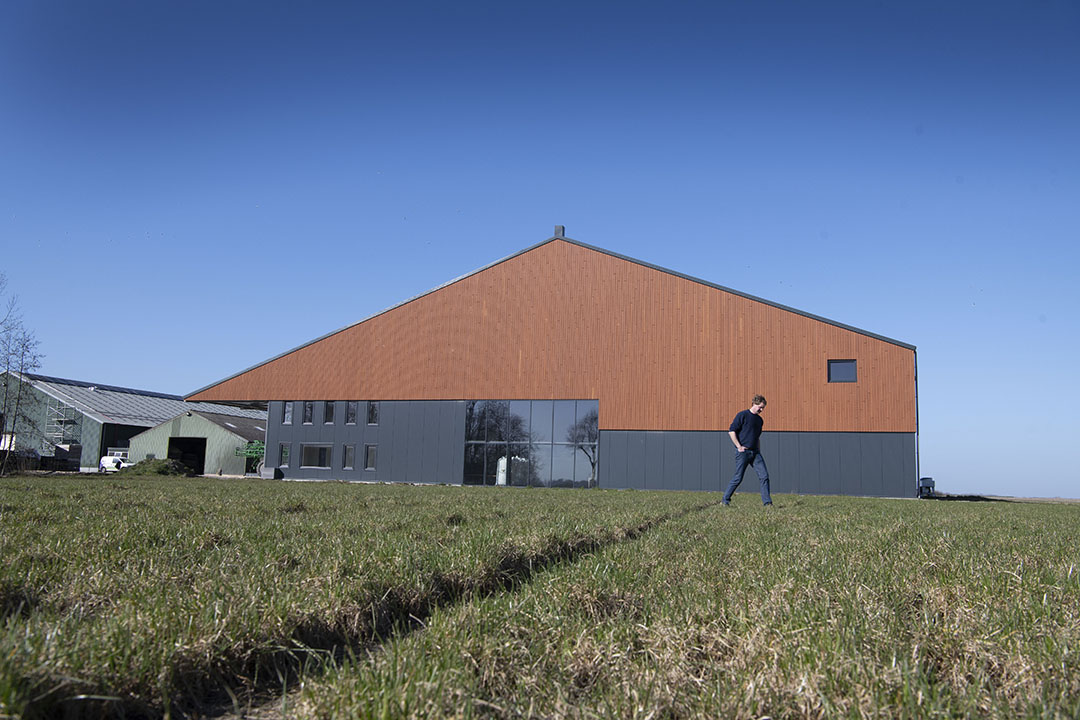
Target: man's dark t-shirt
[{"x": 747, "y": 427}]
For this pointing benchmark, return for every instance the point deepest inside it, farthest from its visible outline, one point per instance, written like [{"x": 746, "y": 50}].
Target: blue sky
[{"x": 224, "y": 181}]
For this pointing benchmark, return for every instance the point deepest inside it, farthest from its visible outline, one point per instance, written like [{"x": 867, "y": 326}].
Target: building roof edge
[{"x": 530, "y": 248}]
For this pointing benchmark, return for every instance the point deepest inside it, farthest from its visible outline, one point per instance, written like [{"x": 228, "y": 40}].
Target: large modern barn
[{"x": 568, "y": 365}]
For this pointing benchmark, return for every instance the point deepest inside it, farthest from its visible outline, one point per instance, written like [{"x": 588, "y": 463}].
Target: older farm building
[
  {"x": 71, "y": 423},
  {"x": 568, "y": 365}
]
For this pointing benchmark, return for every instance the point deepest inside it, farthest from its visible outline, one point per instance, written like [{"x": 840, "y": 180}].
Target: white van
[{"x": 112, "y": 463}]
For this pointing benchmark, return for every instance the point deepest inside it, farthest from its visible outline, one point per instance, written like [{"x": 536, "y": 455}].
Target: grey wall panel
[
  {"x": 413, "y": 455},
  {"x": 892, "y": 463},
  {"x": 711, "y": 447},
  {"x": 672, "y": 473},
  {"x": 654, "y": 460},
  {"x": 785, "y": 469},
  {"x": 906, "y": 485},
  {"x": 871, "y": 461},
  {"x": 452, "y": 442},
  {"x": 809, "y": 464},
  {"x": 423, "y": 442},
  {"x": 899, "y": 465},
  {"x": 829, "y": 462},
  {"x": 691, "y": 461},
  {"x": 635, "y": 460},
  {"x": 400, "y": 442},
  {"x": 613, "y": 459},
  {"x": 850, "y": 463},
  {"x": 397, "y": 441}
]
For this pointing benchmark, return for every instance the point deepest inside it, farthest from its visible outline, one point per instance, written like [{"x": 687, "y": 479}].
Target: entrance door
[{"x": 190, "y": 451}]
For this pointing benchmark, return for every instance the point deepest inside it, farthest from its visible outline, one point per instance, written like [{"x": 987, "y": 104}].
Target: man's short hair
[{"x": 759, "y": 400}]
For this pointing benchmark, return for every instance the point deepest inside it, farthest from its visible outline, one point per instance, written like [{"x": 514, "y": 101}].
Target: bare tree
[
  {"x": 584, "y": 434},
  {"x": 18, "y": 355}
]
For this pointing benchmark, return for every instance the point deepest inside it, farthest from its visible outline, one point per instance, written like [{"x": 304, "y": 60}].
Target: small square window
[
  {"x": 842, "y": 371},
  {"x": 373, "y": 413},
  {"x": 328, "y": 413},
  {"x": 286, "y": 414},
  {"x": 352, "y": 409},
  {"x": 369, "y": 457},
  {"x": 309, "y": 412},
  {"x": 349, "y": 458},
  {"x": 283, "y": 455}
]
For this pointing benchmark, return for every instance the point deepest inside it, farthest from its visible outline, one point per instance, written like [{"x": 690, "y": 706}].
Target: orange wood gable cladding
[{"x": 564, "y": 321}]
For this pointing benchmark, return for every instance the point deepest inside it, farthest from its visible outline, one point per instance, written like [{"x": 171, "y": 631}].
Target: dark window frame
[
  {"x": 329, "y": 448},
  {"x": 841, "y": 367},
  {"x": 286, "y": 413},
  {"x": 352, "y": 410},
  {"x": 373, "y": 413},
  {"x": 309, "y": 413},
  {"x": 284, "y": 453},
  {"x": 348, "y": 457},
  {"x": 329, "y": 408},
  {"x": 370, "y": 456}
]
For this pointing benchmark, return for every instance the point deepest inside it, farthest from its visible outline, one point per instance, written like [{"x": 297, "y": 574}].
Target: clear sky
[{"x": 223, "y": 181}]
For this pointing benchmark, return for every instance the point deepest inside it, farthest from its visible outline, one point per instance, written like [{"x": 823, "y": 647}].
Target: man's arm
[{"x": 735, "y": 439}]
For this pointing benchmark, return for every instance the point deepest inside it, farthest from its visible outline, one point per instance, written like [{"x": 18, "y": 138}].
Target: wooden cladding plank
[{"x": 659, "y": 351}]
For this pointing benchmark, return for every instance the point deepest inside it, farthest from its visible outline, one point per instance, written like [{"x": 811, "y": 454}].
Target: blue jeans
[{"x": 744, "y": 460}]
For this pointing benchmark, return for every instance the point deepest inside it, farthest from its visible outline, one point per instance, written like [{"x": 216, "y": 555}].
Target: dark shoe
[
  {"x": 727, "y": 504},
  {"x": 768, "y": 506}
]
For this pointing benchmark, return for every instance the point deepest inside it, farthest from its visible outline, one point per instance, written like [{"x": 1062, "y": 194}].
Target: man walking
[{"x": 745, "y": 432}]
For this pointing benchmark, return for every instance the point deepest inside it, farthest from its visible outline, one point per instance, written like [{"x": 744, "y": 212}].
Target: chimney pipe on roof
[{"x": 560, "y": 230}]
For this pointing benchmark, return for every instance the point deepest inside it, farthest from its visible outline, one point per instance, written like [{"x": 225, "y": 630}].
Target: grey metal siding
[
  {"x": 635, "y": 463},
  {"x": 673, "y": 460},
  {"x": 416, "y": 441},
  {"x": 869, "y": 464},
  {"x": 423, "y": 442},
  {"x": 809, "y": 465},
  {"x": 614, "y": 454},
  {"x": 829, "y": 462},
  {"x": 654, "y": 460},
  {"x": 712, "y": 478},
  {"x": 691, "y": 459}
]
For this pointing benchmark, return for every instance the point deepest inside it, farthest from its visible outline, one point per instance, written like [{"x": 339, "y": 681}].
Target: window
[
  {"x": 842, "y": 371},
  {"x": 315, "y": 456},
  {"x": 309, "y": 411},
  {"x": 349, "y": 457},
  {"x": 352, "y": 409},
  {"x": 283, "y": 455},
  {"x": 286, "y": 414},
  {"x": 328, "y": 413},
  {"x": 546, "y": 443},
  {"x": 373, "y": 413},
  {"x": 369, "y": 457}
]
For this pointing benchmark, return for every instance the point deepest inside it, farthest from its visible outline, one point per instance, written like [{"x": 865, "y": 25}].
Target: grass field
[{"x": 151, "y": 597}]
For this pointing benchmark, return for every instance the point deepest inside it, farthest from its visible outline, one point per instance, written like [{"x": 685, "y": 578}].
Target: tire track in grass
[{"x": 400, "y": 611}]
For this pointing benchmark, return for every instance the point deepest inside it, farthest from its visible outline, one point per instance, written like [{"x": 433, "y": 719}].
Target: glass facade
[{"x": 531, "y": 443}]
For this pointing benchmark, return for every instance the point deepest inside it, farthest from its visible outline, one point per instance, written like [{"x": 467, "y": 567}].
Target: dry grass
[{"x": 372, "y": 601}]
